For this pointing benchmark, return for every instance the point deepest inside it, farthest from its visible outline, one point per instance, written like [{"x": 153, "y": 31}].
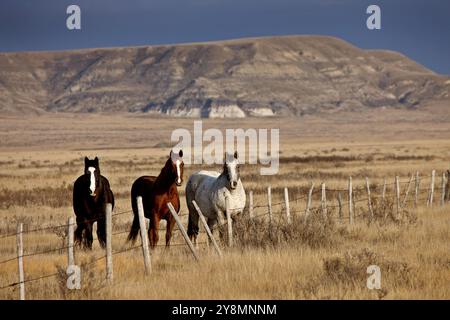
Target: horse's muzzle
[{"x": 233, "y": 184}]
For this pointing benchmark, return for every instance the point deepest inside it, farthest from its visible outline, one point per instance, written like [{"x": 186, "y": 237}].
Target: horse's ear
[
  {"x": 86, "y": 160},
  {"x": 96, "y": 160},
  {"x": 235, "y": 154},
  {"x": 180, "y": 153}
]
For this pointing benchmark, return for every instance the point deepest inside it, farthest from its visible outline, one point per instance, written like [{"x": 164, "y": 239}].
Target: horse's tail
[
  {"x": 135, "y": 226},
  {"x": 192, "y": 225},
  {"x": 134, "y": 229},
  {"x": 192, "y": 229}
]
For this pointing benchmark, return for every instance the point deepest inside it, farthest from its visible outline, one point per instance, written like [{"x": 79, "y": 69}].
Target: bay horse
[
  {"x": 209, "y": 189},
  {"x": 91, "y": 193},
  {"x": 156, "y": 192}
]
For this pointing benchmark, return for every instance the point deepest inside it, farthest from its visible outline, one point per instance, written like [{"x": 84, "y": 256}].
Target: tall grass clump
[{"x": 317, "y": 231}]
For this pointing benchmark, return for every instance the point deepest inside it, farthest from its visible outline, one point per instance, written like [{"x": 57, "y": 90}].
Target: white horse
[{"x": 209, "y": 189}]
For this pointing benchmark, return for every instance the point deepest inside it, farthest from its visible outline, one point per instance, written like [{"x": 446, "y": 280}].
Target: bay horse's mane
[{"x": 167, "y": 176}]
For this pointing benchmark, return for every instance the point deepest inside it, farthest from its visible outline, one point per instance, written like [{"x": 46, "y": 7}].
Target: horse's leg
[
  {"x": 153, "y": 230},
  {"x": 101, "y": 231},
  {"x": 78, "y": 234},
  {"x": 169, "y": 229},
  {"x": 88, "y": 239}
]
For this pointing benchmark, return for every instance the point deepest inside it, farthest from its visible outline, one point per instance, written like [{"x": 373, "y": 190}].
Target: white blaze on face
[
  {"x": 232, "y": 171},
  {"x": 92, "y": 185},
  {"x": 178, "y": 171},
  {"x": 233, "y": 166}
]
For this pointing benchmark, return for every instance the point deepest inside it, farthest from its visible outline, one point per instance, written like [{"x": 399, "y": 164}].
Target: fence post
[
  {"x": 208, "y": 231},
  {"x": 447, "y": 191},
  {"x": 323, "y": 200},
  {"x": 339, "y": 198},
  {"x": 397, "y": 195},
  {"x": 416, "y": 195},
  {"x": 250, "y": 204},
  {"x": 407, "y": 191},
  {"x": 286, "y": 204},
  {"x": 269, "y": 202},
  {"x": 109, "y": 262},
  {"x": 308, "y": 204},
  {"x": 20, "y": 261},
  {"x": 369, "y": 202},
  {"x": 430, "y": 201},
  {"x": 70, "y": 234},
  {"x": 144, "y": 236},
  {"x": 350, "y": 200},
  {"x": 183, "y": 232},
  {"x": 383, "y": 194},
  {"x": 229, "y": 222},
  {"x": 443, "y": 190}
]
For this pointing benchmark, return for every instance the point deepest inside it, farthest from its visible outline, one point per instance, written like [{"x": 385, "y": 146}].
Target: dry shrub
[
  {"x": 349, "y": 268},
  {"x": 316, "y": 232},
  {"x": 385, "y": 211},
  {"x": 92, "y": 282},
  {"x": 349, "y": 271}
]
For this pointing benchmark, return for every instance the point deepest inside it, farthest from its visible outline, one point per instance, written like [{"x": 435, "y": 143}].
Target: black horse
[{"x": 91, "y": 193}]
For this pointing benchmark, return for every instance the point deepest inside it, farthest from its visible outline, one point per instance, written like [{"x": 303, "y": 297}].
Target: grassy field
[{"x": 40, "y": 158}]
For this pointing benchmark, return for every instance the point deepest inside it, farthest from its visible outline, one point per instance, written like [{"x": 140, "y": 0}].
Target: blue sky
[{"x": 418, "y": 28}]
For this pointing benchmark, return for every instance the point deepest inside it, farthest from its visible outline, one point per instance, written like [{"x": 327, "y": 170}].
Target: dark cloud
[{"x": 417, "y": 28}]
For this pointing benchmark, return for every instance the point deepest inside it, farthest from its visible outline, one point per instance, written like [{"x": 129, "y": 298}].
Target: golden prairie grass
[
  {"x": 322, "y": 260},
  {"x": 411, "y": 262}
]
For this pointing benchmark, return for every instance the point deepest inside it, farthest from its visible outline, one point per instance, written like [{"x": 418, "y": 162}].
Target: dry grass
[
  {"x": 322, "y": 258},
  {"x": 411, "y": 263}
]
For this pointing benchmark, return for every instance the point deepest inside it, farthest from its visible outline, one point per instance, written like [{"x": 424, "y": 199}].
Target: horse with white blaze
[{"x": 210, "y": 189}]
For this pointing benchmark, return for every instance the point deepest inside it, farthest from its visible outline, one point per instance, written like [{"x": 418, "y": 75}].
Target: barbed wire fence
[{"x": 351, "y": 203}]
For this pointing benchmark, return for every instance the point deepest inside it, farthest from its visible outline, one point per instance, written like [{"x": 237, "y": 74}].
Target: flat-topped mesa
[{"x": 282, "y": 76}]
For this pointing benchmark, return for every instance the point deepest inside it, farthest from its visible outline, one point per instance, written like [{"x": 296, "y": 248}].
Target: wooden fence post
[
  {"x": 144, "y": 236},
  {"x": 308, "y": 204},
  {"x": 208, "y": 231},
  {"x": 369, "y": 202},
  {"x": 397, "y": 195},
  {"x": 250, "y": 204},
  {"x": 229, "y": 222},
  {"x": 416, "y": 194},
  {"x": 286, "y": 204},
  {"x": 109, "y": 262},
  {"x": 339, "y": 198},
  {"x": 407, "y": 191},
  {"x": 443, "y": 189},
  {"x": 70, "y": 235},
  {"x": 350, "y": 200},
  {"x": 269, "y": 202},
  {"x": 183, "y": 232},
  {"x": 323, "y": 200},
  {"x": 20, "y": 261},
  {"x": 383, "y": 194},
  {"x": 433, "y": 174}
]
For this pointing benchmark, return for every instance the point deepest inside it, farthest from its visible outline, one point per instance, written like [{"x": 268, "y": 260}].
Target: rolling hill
[{"x": 284, "y": 75}]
